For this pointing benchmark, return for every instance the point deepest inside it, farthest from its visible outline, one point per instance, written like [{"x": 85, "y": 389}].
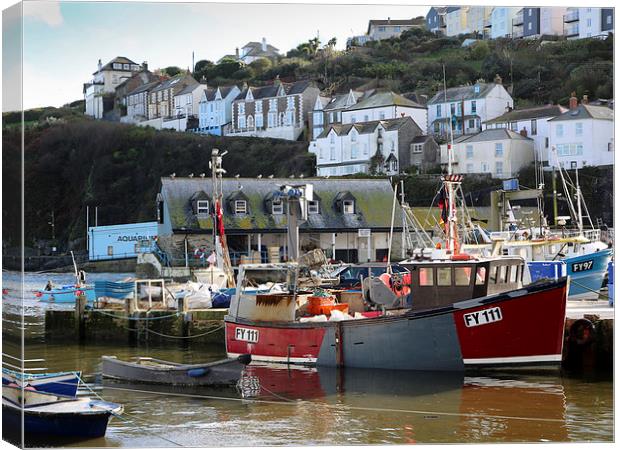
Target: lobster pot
[
  {"x": 256, "y": 259},
  {"x": 274, "y": 254},
  {"x": 245, "y": 259}
]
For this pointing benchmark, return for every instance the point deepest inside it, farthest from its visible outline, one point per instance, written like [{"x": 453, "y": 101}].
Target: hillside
[
  {"x": 539, "y": 71},
  {"x": 118, "y": 167}
]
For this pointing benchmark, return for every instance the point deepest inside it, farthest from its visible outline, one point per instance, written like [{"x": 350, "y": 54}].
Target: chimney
[
  {"x": 389, "y": 20},
  {"x": 572, "y": 102},
  {"x": 237, "y": 52},
  {"x": 264, "y": 45},
  {"x": 99, "y": 65},
  {"x": 584, "y": 100},
  {"x": 497, "y": 79},
  {"x": 145, "y": 66},
  {"x": 523, "y": 132}
]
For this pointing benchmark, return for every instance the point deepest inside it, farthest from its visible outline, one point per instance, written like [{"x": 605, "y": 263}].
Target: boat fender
[
  {"x": 245, "y": 359},
  {"x": 461, "y": 257},
  {"x": 197, "y": 373},
  {"x": 581, "y": 332}
]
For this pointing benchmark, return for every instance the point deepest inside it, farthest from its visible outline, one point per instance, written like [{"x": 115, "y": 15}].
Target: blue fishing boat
[
  {"x": 587, "y": 273},
  {"x": 61, "y": 383},
  {"x": 57, "y": 415},
  {"x": 66, "y": 294}
]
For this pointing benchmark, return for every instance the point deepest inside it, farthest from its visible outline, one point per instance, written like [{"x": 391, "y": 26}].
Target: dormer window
[
  {"x": 277, "y": 207},
  {"x": 313, "y": 207},
  {"x": 241, "y": 207},
  {"x": 348, "y": 206},
  {"x": 202, "y": 207},
  {"x": 117, "y": 66}
]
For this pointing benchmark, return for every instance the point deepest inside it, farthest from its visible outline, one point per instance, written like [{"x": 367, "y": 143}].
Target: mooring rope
[
  {"x": 589, "y": 289},
  {"x": 136, "y": 318}
]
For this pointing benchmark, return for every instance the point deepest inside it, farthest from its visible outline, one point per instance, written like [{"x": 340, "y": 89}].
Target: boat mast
[
  {"x": 579, "y": 213},
  {"x": 449, "y": 181}
]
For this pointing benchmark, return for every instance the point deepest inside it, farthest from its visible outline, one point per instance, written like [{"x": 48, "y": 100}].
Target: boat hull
[
  {"x": 521, "y": 328},
  {"x": 587, "y": 273},
  {"x": 62, "y": 383},
  {"x": 65, "y": 295}
]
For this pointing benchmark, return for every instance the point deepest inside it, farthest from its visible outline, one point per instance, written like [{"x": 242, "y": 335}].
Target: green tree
[{"x": 172, "y": 70}]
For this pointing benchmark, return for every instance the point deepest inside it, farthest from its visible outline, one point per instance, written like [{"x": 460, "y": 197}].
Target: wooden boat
[
  {"x": 142, "y": 369},
  {"x": 61, "y": 383},
  {"x": 51, "y": 414}
]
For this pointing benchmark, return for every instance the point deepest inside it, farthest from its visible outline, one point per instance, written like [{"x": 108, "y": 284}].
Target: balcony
[
  {"x": 517, "y": 20},
  {"x": 517, "y": 33},
  {"x": 571, "y": 30},
  {"x": 571, "y": 16},
  {"x": 487, "y": 23}
]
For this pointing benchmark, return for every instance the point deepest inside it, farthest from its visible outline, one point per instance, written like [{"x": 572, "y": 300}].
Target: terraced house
[
  {"x": 276, "y": 111},
  {"x": 255, "y": 219}
]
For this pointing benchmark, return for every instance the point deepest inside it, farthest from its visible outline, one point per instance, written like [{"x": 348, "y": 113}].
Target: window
[
  {"x": 579, "y": 149},
  {"x": 348, "y": 207},
  {"x": 117, "y": 66},
  {"x": 529, "y": 12},
  {"x": 533, "y": 127},
  {"x": 470, "y": 168},
  {"x": 499, "y": 149},
  {"x": 473, "y": 107},
  {"x": 513, "y": 274},
  {"x": 559, "y": 130},
  {"x": 366, "y": 119},
  {"x": 484, "y": 167},
  {"x": 353, "y": 151},
  {"x": 417, "y": 148},
  {"x": 493, "y": 275},
  {"x": 397, "y": 29},
  {"x": 259, "y": 107},
  {"x": 610, "y": 147},
  {"x": 529, "y": 26},
  {"x": 332, "y": 153},
  {"x": 381, "y": 115},
  {"x": 452, "y": 109},
  {"x": 241, "y": 121},
  {"x": 573, "y": 164},
  {"x": 608, "y": 20},
  {"x": 462, "y": 276},
  {"x": 290, "y": 103},
  {"x": 290, "y": 117},
  {"x": 472, "y": 123},
  {"x": 318, "y": 118},
  {"x": 480, "y": 275},
  {"x": 313, "y": 207},
  {"x": 110, "y": 250},
  {"x": 354, "y": 136},
  {"x": 259, "y": 121},
  {"x": 366, "y": 149},
  {"x": 332, "y": 138},
  {"x": 273, "y": 104},
  {"x": 501, "y": 274},
  {"x": 438, "y": 110},
  {"x": 322, "y": 153},
  {"x": 352, "y": 119},
  {"x": 381, "y": 29},
  {"x": 271, "y": 119},
  {"x": 425, "y": 276},
  {"x": 241, "y": 108},
  {"x": 277, "y": 207},
  {"x": 202, "y": 207},
  {"x": 444, "y": 276},
  {"x": 546, "y": 142},
  {"x": 589, "y": 23},
  {"x": 469, "y": 151},
  {"x": 241, "y": 207},
  {"x": 579, "y": 129},
  {"x": 499, "y": 168},
  {"x": 250, "y": 122}
]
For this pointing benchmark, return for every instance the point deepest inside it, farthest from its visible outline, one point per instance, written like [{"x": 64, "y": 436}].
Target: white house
[
  {"x": 531, "y": 122},
  {"x": 456, "y": 20},
  {"x": 344, "y": 149},
  {"x": 467, "y": 107},
  {"x": 252, "y": 51},
  {"x": 386, "y": 29},
  {"x": 533, "y": 23},
  {"x": 136, "y": 102},
  {"x": 582, "y": 136},
  {"x": 215, "y": 109},
  {"x": 383, "y": 106},
  {"x": 477, "y": 17},
  {"x": 187, "y": 100},
  {"x": 328, "y": 110},
  {"x": 104, "y": 82},
  {"x": 500, "y": 152},
  {"x": 501, "y": 22},
  {"x": 588, "y": 22}
]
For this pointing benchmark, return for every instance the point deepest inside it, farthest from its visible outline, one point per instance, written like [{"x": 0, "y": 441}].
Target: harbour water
[{"x": 289, "y": 406}]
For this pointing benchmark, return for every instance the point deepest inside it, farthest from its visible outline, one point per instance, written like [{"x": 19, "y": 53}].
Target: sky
[{"x": 64, "y": 40}]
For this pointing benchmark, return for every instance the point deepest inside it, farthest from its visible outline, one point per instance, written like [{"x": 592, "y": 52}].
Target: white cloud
[{"x": 45, "y": 11}]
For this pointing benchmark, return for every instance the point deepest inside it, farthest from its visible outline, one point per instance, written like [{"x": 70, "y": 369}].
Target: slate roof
[
  {"x": 529, "y": 113},
  {"x": 187, "y": 89},
  {"x": 373, "y": 202},
  {"x": 224, "y": 90},
  {"x": 256, "y": 49},
  {"x": 462, "y": 93},
  {"x": 144, "y": 88},
  {"x": 366, "y": 127},
  {"x": 381, "y": 22},
  {"x": 496, "y": 134},
  {"x": 384, "y": 99},
  {"x": 272, "y": 90},
  {"x": 586, "y": 112},
  {"x": 118, "y": 59}
]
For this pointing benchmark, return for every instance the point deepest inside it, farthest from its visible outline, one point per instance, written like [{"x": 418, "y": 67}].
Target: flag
[
  {"x": 220, "y": 218},
  {"x": 442, "y": 203}
]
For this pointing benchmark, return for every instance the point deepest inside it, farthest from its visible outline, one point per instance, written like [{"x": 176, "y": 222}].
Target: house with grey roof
[
  {"x": 255, "y": 220},
  {"x": 215, "y": 109},
  {"x": 136, "y": 103},
  {"x": 252, "y": 51},
  {"x": 328, "y": 110},
  {"x": 99, "y": 92},
  {"x": 277, "y": 111},
  {"x": 497, "y": 151},
  {"x": 379, "y": 29},
  {"x": 436, "y": 19},
  {"x": 384, "y": 106},
  {"x": 531, "y": 122},
  {"x": 582, "y": 136},
  {"x": 463, "y": 109},
  {"x": 379, "y": 146}
]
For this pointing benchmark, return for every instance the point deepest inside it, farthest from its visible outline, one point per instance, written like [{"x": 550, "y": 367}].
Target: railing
[
  {"x": 517, "y": 20},
  {"x": 195, "y": 261},
  {"x": 571, "y": 30},
  {"x": 516, "y": 34},
  {"x": 571, "y": 16}
]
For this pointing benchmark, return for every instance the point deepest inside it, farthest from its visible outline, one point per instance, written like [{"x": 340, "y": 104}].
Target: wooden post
[{"x": 80, "y": 306}]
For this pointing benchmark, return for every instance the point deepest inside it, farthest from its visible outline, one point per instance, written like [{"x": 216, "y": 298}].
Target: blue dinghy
[
  {"x": 66, "y": 294},
  {"x": 61, "y": 383},
  {"x": 50, "y": 414}
]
